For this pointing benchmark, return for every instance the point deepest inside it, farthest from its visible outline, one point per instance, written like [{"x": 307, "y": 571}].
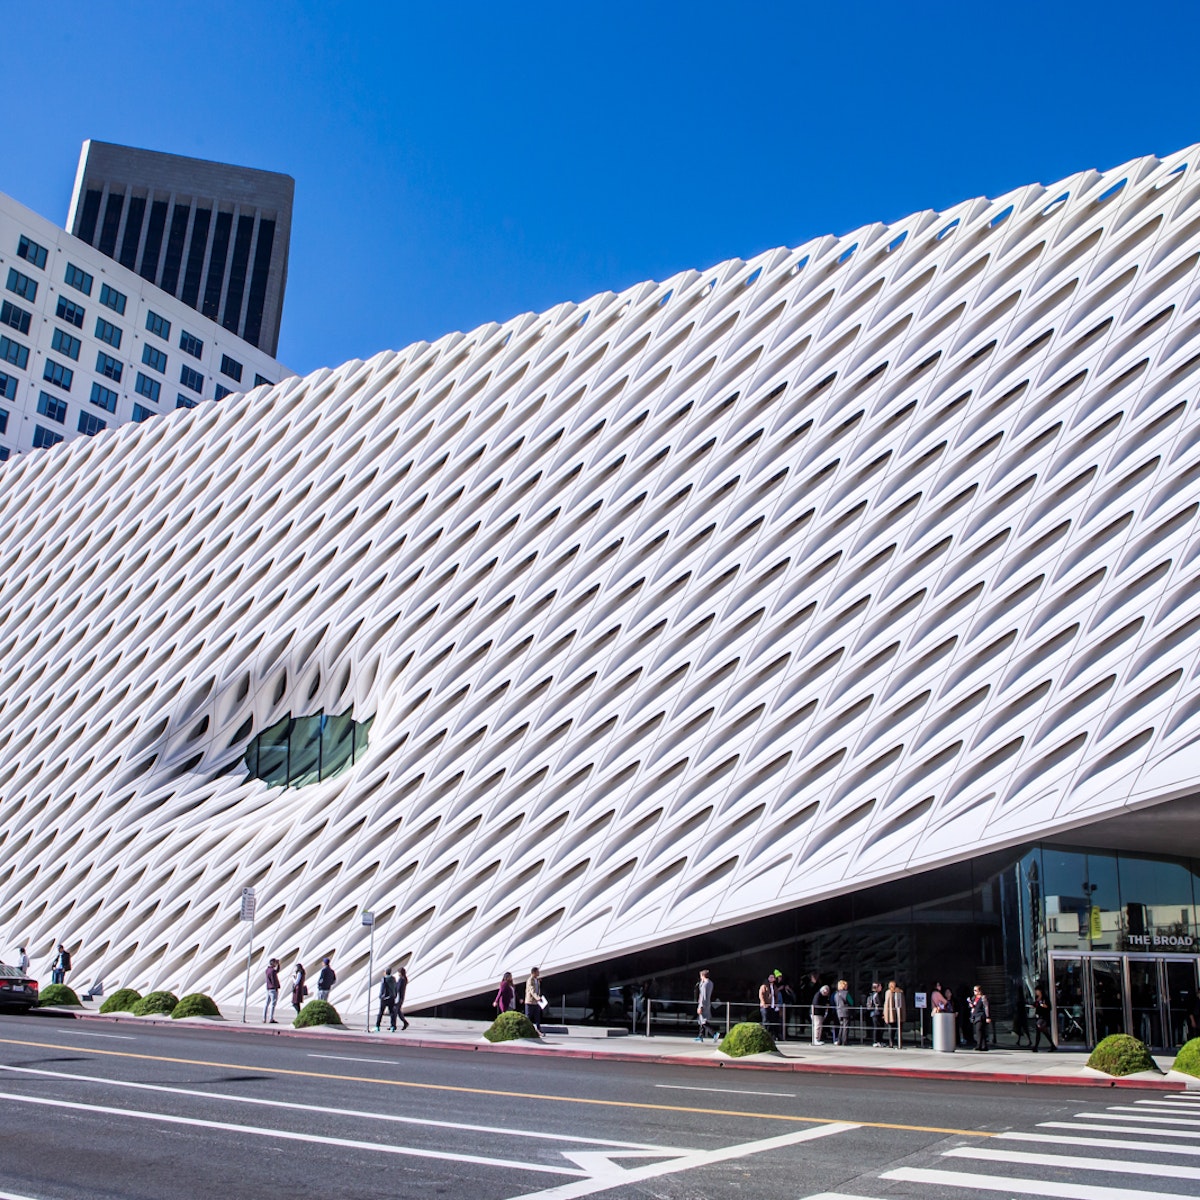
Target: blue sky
[{"x": 463, "y": 163}]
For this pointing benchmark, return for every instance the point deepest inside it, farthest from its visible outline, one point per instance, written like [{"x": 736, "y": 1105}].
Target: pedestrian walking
[
  {"x": 875, "y": 1013},
  {"x": 387, "y": 999},
  {"x": 325, "y": 980},
  {"x": 506, "y": 995},
  {"x": 841, "y": 1008},
  {"x": 819, "y": 1010},
  {"x": 401, "y": 992},
  {"x": 61, "y": 965},
  {"x": 704, "y": 1002},
  {"x": 1041, "y": 1021},
  {"x": 23, "y": 961},
  {"x": 893, "y": 1015},
  {"x": 768, "y": 1004},
  {"x": 272, "y": 982},
  {"x": 981, "y": 1017},
  {"x": 534, "y": 1001},
  {"x": 1021, "y": 1023},
  {"x": 299, "y": 991}
]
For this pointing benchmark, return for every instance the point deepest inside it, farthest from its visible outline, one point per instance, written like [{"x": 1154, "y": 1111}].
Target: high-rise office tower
[{"x": 213, "y": 235}]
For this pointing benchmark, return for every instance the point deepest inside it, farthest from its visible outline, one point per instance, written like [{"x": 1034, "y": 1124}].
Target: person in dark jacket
[
  {"x": 1041, "y": 1021},
  {"x": 981, "y": 1017},
  {"x": 61, "y": 965},
  {"x": 401, "y": 989},
  {"x": 272, "y": 981},
  {"x": 875, "y": 1012},
  {"x": 299, "y": 991},
  {"x": 325, "y": 980},
  {"x": 387, "y": 999}
]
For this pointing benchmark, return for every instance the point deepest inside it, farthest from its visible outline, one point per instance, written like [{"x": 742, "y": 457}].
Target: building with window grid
[
  {"x": 215, "y": 236},
  {"x": 87, "y": 344}
]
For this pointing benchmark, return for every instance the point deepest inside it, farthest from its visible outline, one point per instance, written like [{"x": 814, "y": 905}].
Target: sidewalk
[{"x": 587, "y": 1042}]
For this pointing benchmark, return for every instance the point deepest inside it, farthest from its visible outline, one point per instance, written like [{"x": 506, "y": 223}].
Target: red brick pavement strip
[{"x": 677, "y": 1060}]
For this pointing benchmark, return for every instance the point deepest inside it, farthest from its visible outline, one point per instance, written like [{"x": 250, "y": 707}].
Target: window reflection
[{"x": 296, "y": 751}]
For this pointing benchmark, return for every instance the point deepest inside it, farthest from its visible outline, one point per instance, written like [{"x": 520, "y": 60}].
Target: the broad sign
[{"x": 248, "y": 903}]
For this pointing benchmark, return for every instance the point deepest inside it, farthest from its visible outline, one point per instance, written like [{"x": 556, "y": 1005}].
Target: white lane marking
[
  {"x": 1018, "y": 1187},
  {"x": 1167, "y": 1104},
  {"x": 838, "y": 1196},
  {"x": 1140, "y": 1130},
  {"x": 194, "y": 1093},
  {"x": 618, "y": 1177},
  {"x": 120, "y": 1037},
  {"x": 379, "y": 1062},
  {"x": 289, "y": 1136},
  {"x": 1072, "y": 1162},
  {"x": 14, "y": 1196},
  {"x": 683, "y": 1087},
  {"x": 1129, "y": 1113},
  {"x": 1106, "y": 1143}
]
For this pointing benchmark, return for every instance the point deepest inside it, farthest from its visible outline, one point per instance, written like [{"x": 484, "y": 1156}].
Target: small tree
[
  {"x": 747, "y": 1038},
  {"x": 1119, "y": 1054},
  {"x": 1188, "y": 1058},
  {"x": 155, "y": 1004},
  {"x": 122, "y": 1000},
  {"x": 509, "y": 1027},
  {"x": 317, "y": 1012},
  {"x": 195, "y": 1005},
  {"x": 57, "y": 995}
]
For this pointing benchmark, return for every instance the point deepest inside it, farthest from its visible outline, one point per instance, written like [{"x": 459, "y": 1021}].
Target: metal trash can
[{"x": 943, "y": 1032}]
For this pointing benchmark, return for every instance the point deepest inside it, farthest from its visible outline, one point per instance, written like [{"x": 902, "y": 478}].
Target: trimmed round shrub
[
  {"x": 122, "y": 1000},
  {"x": 1188, "y": 1058},
  {"x": 55, "y": 995},
  {"x": 317, "y": 1012},
  {"x": 1119, "y": 1054},
  {"x": 155, "y": 1004},
  {"x": 195, "y": 1005},
  {"x": 509, "y": 1027},
  {"x": 747, "y": 1038}
]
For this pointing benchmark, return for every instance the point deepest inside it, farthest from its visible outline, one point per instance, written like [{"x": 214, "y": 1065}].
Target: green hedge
[
  {"x": 155, "y": 1004},
  {"x": 122, "y": 1000},
  {"x": 55, "y": 995},
  {"x": 1119, "y": 1054},
  {"x": 747, "y": 1038},
  {"x": 1188, "y": 1058},
  {"x": 509, "y": 1027},
  {"x": 195, "y": 1005},
  {"x": 317, "y": 1012}
]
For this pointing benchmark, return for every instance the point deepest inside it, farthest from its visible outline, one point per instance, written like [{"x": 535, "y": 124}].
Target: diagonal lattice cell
[{"x": 624, "y": 620}]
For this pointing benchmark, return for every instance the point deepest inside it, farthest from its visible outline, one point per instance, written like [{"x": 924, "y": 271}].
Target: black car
[{"x": 17, "y": 990}]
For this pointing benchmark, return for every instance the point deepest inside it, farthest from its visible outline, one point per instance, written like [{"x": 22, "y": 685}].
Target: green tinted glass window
[{"x": 296, "y": 751}]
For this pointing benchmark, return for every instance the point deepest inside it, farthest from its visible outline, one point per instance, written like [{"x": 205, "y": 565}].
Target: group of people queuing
[
  {"x": 535, "y": 1002},
  {"x": 326, "y": 978},
  {"x": 60, "y": 963}
]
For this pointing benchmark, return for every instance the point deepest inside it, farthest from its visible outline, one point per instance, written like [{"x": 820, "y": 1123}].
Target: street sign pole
[
  {"x": 248, "y": 906},
  {"x": 368, "y": 919}
]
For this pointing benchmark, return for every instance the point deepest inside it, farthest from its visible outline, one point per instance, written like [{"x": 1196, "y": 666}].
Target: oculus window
[{"x": 296, "y": 751}]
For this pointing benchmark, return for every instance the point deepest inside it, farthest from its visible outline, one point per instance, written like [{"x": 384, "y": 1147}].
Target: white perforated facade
[{"x": 671, "y": 608}]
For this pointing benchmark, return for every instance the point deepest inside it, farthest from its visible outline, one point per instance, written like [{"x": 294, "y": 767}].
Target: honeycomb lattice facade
[{"x": 670, "y": 608}]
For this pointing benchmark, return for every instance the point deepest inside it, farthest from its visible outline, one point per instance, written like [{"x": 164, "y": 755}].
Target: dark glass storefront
[{"x": 1110, "y": 937}]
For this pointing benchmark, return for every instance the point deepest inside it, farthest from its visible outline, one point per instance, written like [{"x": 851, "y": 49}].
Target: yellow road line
[{"x": 476, "y": 1091}]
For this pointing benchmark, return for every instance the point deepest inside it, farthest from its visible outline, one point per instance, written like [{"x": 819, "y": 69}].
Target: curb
[{"x": 676, "y": 1060}]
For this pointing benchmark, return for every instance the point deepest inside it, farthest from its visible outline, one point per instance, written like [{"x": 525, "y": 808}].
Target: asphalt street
[{"x": 123, "y": 1111}]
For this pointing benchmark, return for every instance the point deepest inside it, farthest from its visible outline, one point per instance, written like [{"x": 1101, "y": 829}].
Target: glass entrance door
[
  {"x": 1067, "y": 996},
  {"x": 1146, "y": 1001},
  {"x": 1108, "y": 998},
  {"x": 1179, "y": 994},
  {"x": 1146, "y": 995}
]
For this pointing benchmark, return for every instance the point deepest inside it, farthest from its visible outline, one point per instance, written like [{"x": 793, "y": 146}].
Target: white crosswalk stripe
[{"x": 1152, "y": 1157}]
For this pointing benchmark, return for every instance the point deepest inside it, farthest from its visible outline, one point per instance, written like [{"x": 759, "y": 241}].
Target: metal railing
[{"x": 792, "y": 1022}]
